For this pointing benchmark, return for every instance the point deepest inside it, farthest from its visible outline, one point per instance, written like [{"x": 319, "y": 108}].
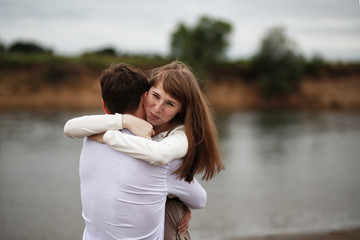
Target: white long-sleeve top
[{"x": 174, "y": 146}]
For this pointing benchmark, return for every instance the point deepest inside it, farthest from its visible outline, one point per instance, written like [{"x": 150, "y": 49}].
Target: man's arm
[{"x": 193, "y": 195}]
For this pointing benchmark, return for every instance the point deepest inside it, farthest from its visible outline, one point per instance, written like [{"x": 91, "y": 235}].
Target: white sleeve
[
  {"x": 193, "y": 195},
  {"x": 88, "y": 125},
  {"x": 172, "y": 147}
]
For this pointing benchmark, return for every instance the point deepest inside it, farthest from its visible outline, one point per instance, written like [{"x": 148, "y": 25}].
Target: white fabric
[
  {"x": 124, "y": 198},
  {"x": 174, "y": 146},
  {"x": 81, "y": 127}
]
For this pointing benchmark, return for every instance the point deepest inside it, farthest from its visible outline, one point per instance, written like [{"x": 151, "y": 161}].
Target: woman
[{"x": 179, "y": 115}]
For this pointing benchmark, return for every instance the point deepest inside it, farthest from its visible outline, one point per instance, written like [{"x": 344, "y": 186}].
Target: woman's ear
[{"x": 106, "y": 110}]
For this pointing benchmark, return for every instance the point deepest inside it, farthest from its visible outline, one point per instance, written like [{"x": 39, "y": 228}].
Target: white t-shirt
[
  {"x": 158, "y": 152},
  {"x": 112, "y": 203},
  {"x": 124, "y": 198}
]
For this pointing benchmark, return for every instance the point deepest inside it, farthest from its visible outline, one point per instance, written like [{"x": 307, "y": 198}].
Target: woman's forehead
[{"x": 160, "y": 90}]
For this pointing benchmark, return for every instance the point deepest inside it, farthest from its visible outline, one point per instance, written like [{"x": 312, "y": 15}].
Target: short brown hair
[{"x": 122, "y": 86}]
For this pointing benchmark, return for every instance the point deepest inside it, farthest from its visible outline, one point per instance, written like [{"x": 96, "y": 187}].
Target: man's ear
[
  {"x": 106, "y": 110},
  {"x": 143, "y": 98}
]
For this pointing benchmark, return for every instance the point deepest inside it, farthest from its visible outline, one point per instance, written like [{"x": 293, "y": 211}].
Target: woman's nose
[{"x": 158, "y": 107}]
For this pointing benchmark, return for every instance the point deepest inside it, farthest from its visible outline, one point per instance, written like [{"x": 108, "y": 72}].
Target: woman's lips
[{"x": 153, "y": 116}]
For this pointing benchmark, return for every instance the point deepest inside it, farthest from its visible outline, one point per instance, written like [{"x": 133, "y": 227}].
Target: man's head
[{"x": 122, "y": 87}]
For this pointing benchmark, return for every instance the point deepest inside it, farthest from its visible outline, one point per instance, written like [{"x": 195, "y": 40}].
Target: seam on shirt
[{"x": 166, "y": 179}]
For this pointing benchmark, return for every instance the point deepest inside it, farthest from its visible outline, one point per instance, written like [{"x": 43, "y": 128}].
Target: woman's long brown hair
[{"x": 203, "y": 153}]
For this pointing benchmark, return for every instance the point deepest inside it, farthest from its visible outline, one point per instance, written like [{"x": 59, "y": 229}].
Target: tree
[
  {"x": 28, "y": 47},
  {"x": 2, "y": 47},
  {"x": 278, "y": 64},
  {"x": 203, "y": 45}
]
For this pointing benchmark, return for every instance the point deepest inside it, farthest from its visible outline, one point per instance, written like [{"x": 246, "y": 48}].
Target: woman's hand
[
  {"x": 97, "y": 137},
  {"x": 185, "y": 221},
  {"x": 137, "y": 126}
]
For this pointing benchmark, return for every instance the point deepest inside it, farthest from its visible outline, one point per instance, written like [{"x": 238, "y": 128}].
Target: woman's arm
[
  {"x": 89, "y": 125},
  {"x": 172, "y": 147}
]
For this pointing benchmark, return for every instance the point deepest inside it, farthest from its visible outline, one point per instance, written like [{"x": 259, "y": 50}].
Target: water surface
[{"x": 285, "y": 172}]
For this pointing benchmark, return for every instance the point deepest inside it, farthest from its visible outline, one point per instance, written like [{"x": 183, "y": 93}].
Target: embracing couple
[{"x": 158, "y": 133}]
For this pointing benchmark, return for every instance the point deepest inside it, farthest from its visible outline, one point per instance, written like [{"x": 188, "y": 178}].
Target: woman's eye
[
  {"x": 156, "y": 96},
  {"x": 171, "y": 104}
]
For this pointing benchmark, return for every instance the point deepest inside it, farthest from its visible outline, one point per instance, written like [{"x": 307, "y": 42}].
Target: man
[{"x": 123, "y": 197}]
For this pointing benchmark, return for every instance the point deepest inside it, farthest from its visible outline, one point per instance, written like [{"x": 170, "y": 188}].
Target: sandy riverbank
[
  {"x": 351, "y": 234},
  {"x": 226, "y": 91},
  {"x": 327, "y": 93},
  {"x": 331, "y": 94}
]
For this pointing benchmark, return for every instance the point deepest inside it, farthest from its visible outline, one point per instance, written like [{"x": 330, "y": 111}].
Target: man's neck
[{"x": 136, "y": 114}]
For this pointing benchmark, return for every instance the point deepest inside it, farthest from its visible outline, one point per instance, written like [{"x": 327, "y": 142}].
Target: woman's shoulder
[
  {"x": 178, "y": 130},
  {"x": 180, "y": 127}
]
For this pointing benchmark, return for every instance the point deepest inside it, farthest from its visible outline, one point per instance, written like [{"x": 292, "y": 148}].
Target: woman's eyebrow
[
  {"x": 154, "y": 92},
  {"x": 172, "y": 102}
]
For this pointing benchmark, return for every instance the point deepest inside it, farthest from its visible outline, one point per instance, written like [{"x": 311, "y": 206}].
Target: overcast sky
[{"x": 328, "y": 27}]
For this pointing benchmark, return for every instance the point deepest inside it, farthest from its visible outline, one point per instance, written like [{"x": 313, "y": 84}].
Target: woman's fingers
[
  {"x": 138, "y": 126},
  {"x": 185, "y": 221}
]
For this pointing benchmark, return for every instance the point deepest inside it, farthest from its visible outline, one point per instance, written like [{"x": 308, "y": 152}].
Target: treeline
[
  {"x": 25, "y": 47},
  {"x": 277, "y": 66}
]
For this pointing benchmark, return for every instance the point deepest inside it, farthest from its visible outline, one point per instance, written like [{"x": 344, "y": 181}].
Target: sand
[{"x": 351, "y": 234}]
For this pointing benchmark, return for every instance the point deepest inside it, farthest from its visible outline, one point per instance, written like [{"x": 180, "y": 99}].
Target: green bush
[
  {"x": 2, "y": 48},
  {"x": 28, "y": 48},
  {"x": 54, "y": 74},
  {"x": 315, "y": 65},
  {"x": 104, "y": 51}
]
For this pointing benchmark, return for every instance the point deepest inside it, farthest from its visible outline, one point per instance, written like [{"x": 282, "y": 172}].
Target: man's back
[{"x": 122, "y": 197}]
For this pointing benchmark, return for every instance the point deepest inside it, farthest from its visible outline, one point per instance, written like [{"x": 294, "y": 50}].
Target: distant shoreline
[
  {"x": 326, "y": 93},
  {"x": 226, "y": 89},
  {"x": 224, "y": 96}
]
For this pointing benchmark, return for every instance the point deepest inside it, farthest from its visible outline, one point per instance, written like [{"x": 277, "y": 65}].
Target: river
[{"x": 286, "y": 172}]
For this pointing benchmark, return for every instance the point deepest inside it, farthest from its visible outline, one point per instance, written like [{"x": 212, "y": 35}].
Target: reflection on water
[{"x": 285, "y": 172}]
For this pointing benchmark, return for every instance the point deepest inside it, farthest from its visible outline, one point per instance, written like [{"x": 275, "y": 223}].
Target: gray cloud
[{"x": 145, "y": 26}]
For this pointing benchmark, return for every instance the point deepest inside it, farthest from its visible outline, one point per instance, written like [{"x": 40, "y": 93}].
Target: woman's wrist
[{"x": 126, "y": 120}]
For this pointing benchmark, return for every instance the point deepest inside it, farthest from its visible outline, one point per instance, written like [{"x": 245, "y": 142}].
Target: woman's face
[{"x": 161, "y": 108}]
